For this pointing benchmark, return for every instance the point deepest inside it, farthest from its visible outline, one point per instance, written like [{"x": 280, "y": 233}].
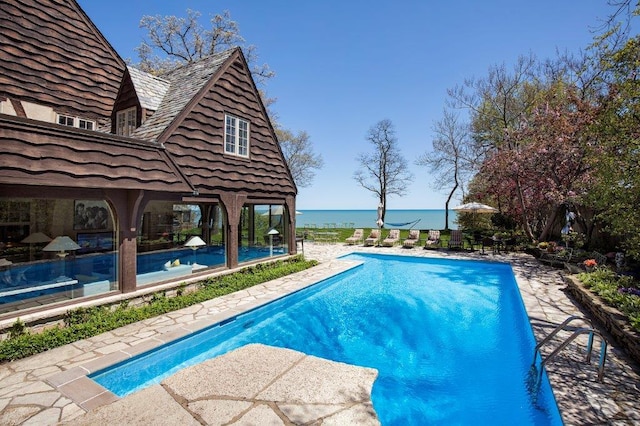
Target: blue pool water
[
  {"x": 450, "y": 339},
  {"x": 30, "y": 276}
]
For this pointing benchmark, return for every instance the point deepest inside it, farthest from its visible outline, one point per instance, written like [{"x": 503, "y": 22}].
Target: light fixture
[
  {"x": 36, "y": 238},
  {"x": 271, "y": 233},
  {"x": 195, "y": 243},
  {"x": 61, "y": 245}
]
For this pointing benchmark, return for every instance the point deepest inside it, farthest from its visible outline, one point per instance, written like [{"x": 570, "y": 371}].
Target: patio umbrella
[
  {"x": 277, "y": 211},
  {"x": 379, "y": 221},
  {"x": 474, "y": 208}
]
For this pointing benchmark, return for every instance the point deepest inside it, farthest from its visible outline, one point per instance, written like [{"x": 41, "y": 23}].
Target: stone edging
[{"x": 611, "y": 319}]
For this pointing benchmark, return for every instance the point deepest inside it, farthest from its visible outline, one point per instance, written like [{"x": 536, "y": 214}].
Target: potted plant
[{"x": 590, "y": 264}]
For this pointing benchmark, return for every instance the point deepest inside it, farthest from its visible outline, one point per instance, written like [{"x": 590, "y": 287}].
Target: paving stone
[
  {"x": 262, "y": 415},
  {"x": 219, "y": 411},
  {"x": 50, "y": 416},
  {"x": 17, "y": 415}
]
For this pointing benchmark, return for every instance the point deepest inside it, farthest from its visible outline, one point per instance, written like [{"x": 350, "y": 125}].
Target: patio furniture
[
  {"x": 433, "y": 240},
  {"x": 412, "y": 240},
  {"x": 392, "y": 239},
  {"x": 356, "y": 238},
  {"x": 456, "y": 239},
  {"x": 373, "y": 238}
]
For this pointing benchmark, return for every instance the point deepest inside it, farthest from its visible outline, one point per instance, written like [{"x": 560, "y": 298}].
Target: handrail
[
  {"x": 556, "y": 331},
  {"x": 603, "y": 349},
  {"x": 589, "y": 330}
]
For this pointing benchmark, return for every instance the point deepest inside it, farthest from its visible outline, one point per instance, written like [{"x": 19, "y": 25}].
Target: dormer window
[
  {"x": 81, "y": 123},
  {"x": 236, "y": 136},
  {"x": 126, "y": 121}
]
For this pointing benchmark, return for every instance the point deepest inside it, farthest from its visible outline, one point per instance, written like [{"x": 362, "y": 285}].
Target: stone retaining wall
[{"x": 613, "y": 321}]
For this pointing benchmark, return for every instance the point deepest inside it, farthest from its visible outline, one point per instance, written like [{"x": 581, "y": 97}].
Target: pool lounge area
[{"x": 581, "y": 399}]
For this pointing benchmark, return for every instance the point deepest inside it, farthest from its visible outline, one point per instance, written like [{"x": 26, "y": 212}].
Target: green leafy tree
[{"x": 616, "y": 191}]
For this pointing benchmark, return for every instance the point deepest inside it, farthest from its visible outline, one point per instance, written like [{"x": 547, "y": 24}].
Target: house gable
[
  {"x": 195, "y": 138},
  {"x": 53, "y": 55}
]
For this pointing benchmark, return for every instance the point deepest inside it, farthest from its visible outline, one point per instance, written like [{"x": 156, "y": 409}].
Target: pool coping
[{"x": 75, "y": 384}]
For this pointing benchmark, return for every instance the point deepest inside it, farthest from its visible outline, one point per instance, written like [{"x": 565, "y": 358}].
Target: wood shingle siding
[
  {"x": 197, "y": 144},
  {"x": 57, "y": 156},
  {"x": 52, "y": 54}
]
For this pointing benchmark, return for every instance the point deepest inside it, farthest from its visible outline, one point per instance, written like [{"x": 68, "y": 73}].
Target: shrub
[
  {"x": 82, "y": 323},
  {"x": 620, "y": 292}
]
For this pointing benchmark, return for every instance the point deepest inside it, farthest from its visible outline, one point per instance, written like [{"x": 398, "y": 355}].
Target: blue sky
[{"x": 341, "y": 66}]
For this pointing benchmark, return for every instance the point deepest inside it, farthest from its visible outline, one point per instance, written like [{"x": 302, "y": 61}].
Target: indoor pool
[{"x": 450, "y": 339}]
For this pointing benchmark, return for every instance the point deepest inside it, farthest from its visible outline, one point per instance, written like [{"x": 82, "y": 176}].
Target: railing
[{"x": 535, "y": 381}]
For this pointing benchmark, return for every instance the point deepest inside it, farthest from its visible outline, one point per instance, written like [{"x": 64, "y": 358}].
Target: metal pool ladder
[{"x": 577, "y": 331}]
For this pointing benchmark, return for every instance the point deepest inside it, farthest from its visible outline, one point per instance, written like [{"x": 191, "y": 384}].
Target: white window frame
[
  {"x": 236, "y": 136},
  {"x": 126, "y": 121},
  {"x": 77, "y": 122}
]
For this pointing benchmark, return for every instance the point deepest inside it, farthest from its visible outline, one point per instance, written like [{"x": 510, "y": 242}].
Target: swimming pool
[{"x": 450, "y": 339}]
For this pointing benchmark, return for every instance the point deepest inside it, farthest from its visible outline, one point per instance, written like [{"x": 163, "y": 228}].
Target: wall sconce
[{"x": 195, "y": 243}]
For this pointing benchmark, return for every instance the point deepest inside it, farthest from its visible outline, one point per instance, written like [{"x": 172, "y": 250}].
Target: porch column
[
  {"x": 232, "y": 204},
  {"x": 128, "y": 206},
  {"x": 291, "y": 235}
]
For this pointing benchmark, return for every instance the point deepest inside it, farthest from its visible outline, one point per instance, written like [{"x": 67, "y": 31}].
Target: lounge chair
[
  {"x": 373, "y": 238},
  {"x": 433, "y": 240},
  {"x": 356, "y": 238},
  {"x": 412, "y": 240},
  {"x": 455, "y": 239},
  {"x": 392, "y": 239}
]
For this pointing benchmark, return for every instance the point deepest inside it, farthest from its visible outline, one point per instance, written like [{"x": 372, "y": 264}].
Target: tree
[
  {"x": 298, "y": 152},
  {"x": 451, "y": 159},
  {"x": 547, "y": 169},
  {"x": 616, "y": 190},
  {"x": 383, "y": 171},
  {"x": 175, "y": 41}
]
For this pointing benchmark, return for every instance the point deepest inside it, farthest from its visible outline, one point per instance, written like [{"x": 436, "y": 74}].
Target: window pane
[
  {"x": 243, "y": 138},
  {"x": 230, "y": 135}
]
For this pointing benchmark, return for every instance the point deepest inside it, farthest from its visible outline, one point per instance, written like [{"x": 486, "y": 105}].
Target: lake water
[{"x": 427, "y": 219}]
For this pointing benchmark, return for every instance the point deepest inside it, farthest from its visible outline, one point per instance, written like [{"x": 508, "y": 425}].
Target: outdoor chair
[
  {"x": 455, "y": 239},
  {"x": 373, "y": 238},
  {"x": 433, "y": 240},
  {"x": 392, "y": 239},
  {"x": 412, "y": 240},
  {"x": 356, "y": 238}
]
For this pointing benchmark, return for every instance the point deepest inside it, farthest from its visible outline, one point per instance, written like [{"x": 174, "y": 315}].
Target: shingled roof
[
  {"x": 47, "y": 154},
  {"x": 184, "y": 84},
  {"x": 149, "y": 88},
  {"x": 53, "y": 55}
]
